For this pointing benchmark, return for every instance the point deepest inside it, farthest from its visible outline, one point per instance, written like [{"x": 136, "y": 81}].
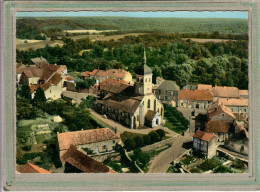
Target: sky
[{"x": 158, "y": 14}]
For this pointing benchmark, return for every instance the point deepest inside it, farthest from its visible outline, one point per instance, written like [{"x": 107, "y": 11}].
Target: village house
[
  {"x": 128, "y": 104},
  {"x": 167, "y": 91},
  {"x": 75, "y": 161},
  {"x": 204, "y": 143},
  {"x": 98, "y": 140},
  {"x": 243, "y": 93},
  {"x": 196, "y": 99},
  {"x": 30, "y": 75},
  {"x": 30, "y": 168},
  {"x": 225, "y": 92},
  {"x": 239, "y": 105},
  {"x": 204, "y": 87},
  {"x": 101, "y": 75}
]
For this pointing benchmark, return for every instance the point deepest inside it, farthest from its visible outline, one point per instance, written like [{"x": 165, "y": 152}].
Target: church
[{"x": 134, "y": 106}]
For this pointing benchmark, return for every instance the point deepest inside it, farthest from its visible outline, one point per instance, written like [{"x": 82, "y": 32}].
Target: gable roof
[
  {"x": 203, "y": 135},
  {"x": 84, "y": 137},
  {"x": 221, "y": 109},
  {"x": 150, "y": 115},
  {"x": 30, "y": 168},
  {"x": 218, "y": 126},
  {"x": 88, "y": 73},
  {"x": 39, "y": 61},
  {"x": 83, "y": 162},
  {"x": 204, "y": 87},
  {"x": 195, "y": 95},
  {"x": 108, "y": 80},
  {"x": 219, "y": 91},
  {"x": 33, "y": 72},
  {"x": 115, "y": 88},
  {"x": 121, "y": 102},
  {"x": 168, "y": 85},
  {"x": 234, "y": 101}
]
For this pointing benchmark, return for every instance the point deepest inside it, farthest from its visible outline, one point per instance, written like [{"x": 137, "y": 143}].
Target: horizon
[{"x": 140, "y": 14}]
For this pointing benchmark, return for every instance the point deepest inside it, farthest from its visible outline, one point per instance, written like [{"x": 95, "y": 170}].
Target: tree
[
  {"x": 154, "y": 137},
  {"x": 39, "y": 96},
  {"x": 161, "y": 133},
  {"x": 25, "y": 92},
  {"x": 129, "y": 144},
  {"x": 146, "y": 139}
]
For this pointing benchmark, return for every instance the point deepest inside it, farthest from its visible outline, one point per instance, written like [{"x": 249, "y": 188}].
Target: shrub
[
  {"x": 222, "y": 169},
  {"x": 139, "y": 142},
  {"x": 146, "y": 139},
  {"x": 144, "y": 158},
  {"x": 154, "y": 137},
  {"x": 129, "y": 144},
  {"x": 161, "y": 133},
  {"x": 208, "y": 165},
  {"x": 27, "y": 147}
]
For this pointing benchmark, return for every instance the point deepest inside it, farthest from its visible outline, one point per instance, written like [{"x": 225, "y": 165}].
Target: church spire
[{"x": 144, "y": 57}]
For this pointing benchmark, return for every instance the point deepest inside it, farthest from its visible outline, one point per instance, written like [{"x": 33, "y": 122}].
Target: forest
[
  {"x": 31, "y": 28},
  {"x": 184, "y": 61}
]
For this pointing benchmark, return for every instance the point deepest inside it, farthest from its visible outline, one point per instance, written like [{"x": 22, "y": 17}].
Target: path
[
  {"x": 121, "y": 128},
  {"x": 162, "y": 162}
]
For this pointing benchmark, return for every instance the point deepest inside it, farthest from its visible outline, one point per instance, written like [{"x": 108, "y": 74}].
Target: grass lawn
[
  {"x": 101, "y": 123},
  {"x": 40, "y": 138},
  {"x": 178, "y": 128},
  {"x": 126, "y": 135}
]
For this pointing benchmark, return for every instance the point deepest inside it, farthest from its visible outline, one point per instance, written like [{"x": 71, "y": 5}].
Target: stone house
[
  {"x": 205, "y": 143},
  {"x": 101, "y": 75},
  {"x": 167, "y": 91},
  {"x": 239, "y": 146},
  {"x": 129, "y": 104},
  {"x": 98, "y": 140},
  {"x": 196, "y": 99},
  {"x": 30, "y": 75},
  {"x": 76, "y": 161},
  {"x": 30, "y": 168},
  {"x": 219, "y": 112},
  {"x": 237, "y": 105}
]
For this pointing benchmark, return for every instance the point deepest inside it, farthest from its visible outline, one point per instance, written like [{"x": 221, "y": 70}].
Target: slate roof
[
  {"x": 218, "y": 126},
  {"x": 203, "y": 135},
  {"x": 83, "y": 162},
  {"x": 234, "y": 101},
  {"x": 219, "y": 110},
  {"x": 168, "y": 85},
  {"x": 84, "y": 137},
  {"x": 30, "y": 168},
  {"x": 227, "y": 92},
  {"x": 150, "y": 115},
  {"x": 195, "y": 95}
]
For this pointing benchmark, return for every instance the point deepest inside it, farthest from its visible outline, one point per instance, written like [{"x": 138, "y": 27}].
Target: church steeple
[{"x": 144, "y": 57}]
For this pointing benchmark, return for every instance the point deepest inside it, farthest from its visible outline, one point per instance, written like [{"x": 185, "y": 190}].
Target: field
[
  {"x": 88, "y": 31},
  {"x": 38, "y": 45}
]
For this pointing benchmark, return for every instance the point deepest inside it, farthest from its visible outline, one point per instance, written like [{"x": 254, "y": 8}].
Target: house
[
  {"x": 243, "y": 93},
  {"x": 98, "y": 140},
  {"x": 196, "y": 99},
  {"x": 30, "y": 168},
  {"x": 219, "y": 112},
  {"x": 30, "y": 75},
  {"x": 39, "y": 61},
  {"x": 223, "y": 129},
  {"x": 225, "y": 92},
  {"x": 205, "y": 143},
  {"x": 129, "y": 104},
  {"x": 204, "y": 87},
  {"x": 239, "y": 146},
  {"x": 167, "y": 91},
  {"x": 77, "y": 162},
  {"x": 237, "y": 105},
  {"x": 101, "y": 75}
]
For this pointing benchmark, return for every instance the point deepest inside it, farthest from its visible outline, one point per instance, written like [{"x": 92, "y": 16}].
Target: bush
[
  {"x": 154, "y": 137},
  {"x": 26, "y": 157},
  {"x": 129, "y": 144},
  {"x": 146, "y": 139},
  {"x": 27, "y": 147},
  {"x": 144, "y": 158},
  {"x": 139, "y": 142},
  {"x": 161, "y": 133},
  {"x": 222, "y": 169},
  {"x": 208, "y": 165}
]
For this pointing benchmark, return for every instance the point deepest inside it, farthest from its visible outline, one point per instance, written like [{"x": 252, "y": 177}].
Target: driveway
[
  {"x": 120, "y": 128},
  {"x": 162, "y": 162}
]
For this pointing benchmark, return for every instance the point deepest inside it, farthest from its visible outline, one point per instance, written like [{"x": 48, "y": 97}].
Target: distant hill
[{"x": 167, "y": 25}]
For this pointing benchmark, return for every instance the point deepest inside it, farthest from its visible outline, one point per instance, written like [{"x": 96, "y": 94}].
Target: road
[
  {"x": 120, "y": 128},
  {"x": 162, "y": 162}
]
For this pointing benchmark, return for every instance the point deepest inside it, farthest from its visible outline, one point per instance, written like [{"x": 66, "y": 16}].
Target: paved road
[
  {"x": 162, "y": 162},
  {"x": 121, "y": 128}
]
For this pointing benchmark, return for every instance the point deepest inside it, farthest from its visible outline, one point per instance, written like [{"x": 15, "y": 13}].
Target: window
[
  {"x": 50, "y": 91},
  {"x": 148, "y": 104},
  {"x": 145, "y": 79},
  {"x": 114, "y": 141},
  {"x": 142, "y": 80},
  {"x": 154, "y": 105},
  {"x": 245, "y": 110},
  {"x": 222, "y": 114}
]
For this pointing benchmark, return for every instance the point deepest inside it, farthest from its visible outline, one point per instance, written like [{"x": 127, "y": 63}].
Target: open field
[
  {"x": 88, "y": 31},
  {"x": 208, "y": 40},
  {"x": 103, "y": 37},
  {"x": 38, "y": 45}
]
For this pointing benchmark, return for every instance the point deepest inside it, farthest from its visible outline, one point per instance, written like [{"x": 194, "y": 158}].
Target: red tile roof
[
  {"x": 220, "y": 109},
  {"x": 204, "y": 87},
  {"x": 195, "y": 95},
  {"x": 84, "y": 137},
  {"x": 203, "y": 135},
  {"x": 117, "y": 73},
  {"x": 88, "y": 73},
  {"x": 234, "y": 102},
  {"x": 83, "y": 162},
  {"x": 227, "y": 92},
  {"x": 243, "y": 92},
  {"x": 218, "y": 126},
  {"x": 30, "y": 168}
]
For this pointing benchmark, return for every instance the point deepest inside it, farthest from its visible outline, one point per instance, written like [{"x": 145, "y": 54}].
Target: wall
[
  {"x": 33, "y": 80},
  {"x": 222, "y": 117},
  {"x": 53, "y": 92},
  {"x": 212, "y": 147}
]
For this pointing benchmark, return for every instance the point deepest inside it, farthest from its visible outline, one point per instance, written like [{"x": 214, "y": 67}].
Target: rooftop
[
  {"x": 84, "y": 137},
  {"x": 30, "y": 168},
  {"x": 218, "y": 126},
  {"x": 234, "y": 101},
  {"x": 203, "y": 135},
  {"x": 228, "y": 92},
  {"x": 195, "y": 95},
  {"x": 168, "y": 85}
]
